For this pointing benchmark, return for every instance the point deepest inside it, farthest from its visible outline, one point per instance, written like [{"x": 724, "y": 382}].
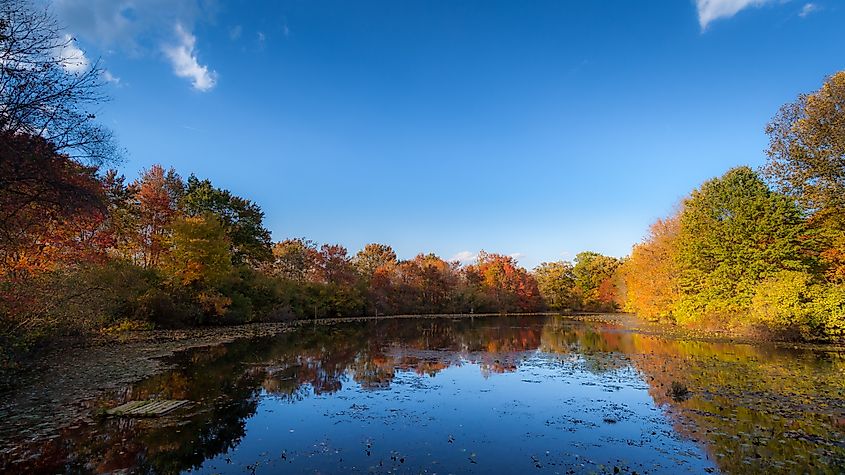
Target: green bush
[
  {"x": 828, "y": 309},
  {"x": 781, "y": 302}
]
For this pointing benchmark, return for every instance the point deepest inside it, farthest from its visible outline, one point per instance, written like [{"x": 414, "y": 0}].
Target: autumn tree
[
  {"x": 807, "y": 162},
  {"x": 510, "y": 287},
  {"x": 334, "y": 265},
  {"x": 157, "y": 197},
  {"x": 294, "y": 259},
  {"x": 373, "y": 257},
  {"x": 427, "y": 283},
  {"x": 50, "y": 205},
  {"x": 376, "y": 264},
  {"x": 651, "y": 272},
  {"x": 199, "y": 264},
  {"x": 341, "y": 293},
  {"x": 381, "y": 297}
]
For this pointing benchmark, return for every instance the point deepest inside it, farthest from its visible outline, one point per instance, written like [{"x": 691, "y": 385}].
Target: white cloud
[
  {"x": 464, "y": 257},
  {"x": 71, "y": 58},
  {"x": 807, "y": 9},
  {"x": 142, "y": 29},
  {"x": 129, "y": 25},
  {"x": 183, "y": 58},
  {"x": 517, "y": 256},
  {"x": 711, "y": 10},
  {"x": 109, "y": 77},
  {"x": 235, "y": 32}
]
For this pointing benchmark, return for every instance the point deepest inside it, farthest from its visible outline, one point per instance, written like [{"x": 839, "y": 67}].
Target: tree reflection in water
[{"x": 752, "y": 408}]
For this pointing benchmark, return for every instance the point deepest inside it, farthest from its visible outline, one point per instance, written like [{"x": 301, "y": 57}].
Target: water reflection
[{"x": 503, "y": 394}]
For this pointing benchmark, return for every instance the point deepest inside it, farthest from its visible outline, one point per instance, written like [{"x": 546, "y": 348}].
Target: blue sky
[{"x": 537, "y": 129}]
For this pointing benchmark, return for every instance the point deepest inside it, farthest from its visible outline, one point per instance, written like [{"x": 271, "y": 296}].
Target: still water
[{"x": 483, "y": 395}]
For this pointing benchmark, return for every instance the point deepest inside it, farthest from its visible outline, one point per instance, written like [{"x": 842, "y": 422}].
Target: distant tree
[
  {"x": 734, "y": 233},
  {"x": 157, "y": 195},
  {"x": 294, "y": 259},
  {"x": 373, "y": 257},
  {"x": 381, "y": 292},
  {"x": 556, "y": 282},
  {"x": 807, "y": 161},
  {"x": 199, "y": 251},
  {"x": 334, "y": 266},
  {"x": 45, "y": 93},
  {"x": 242, "y": 219},
  {"x": 509, "y": 286},
  {"x": 123, "y": 215},
  {"x": 376, "y": 265},
  {"x": 594, "y": 274}
]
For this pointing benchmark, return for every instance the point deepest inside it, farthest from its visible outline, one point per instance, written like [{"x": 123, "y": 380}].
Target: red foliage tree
[
  {"x": 157, "y": 198},
  {"x": 51, "y": 207}
]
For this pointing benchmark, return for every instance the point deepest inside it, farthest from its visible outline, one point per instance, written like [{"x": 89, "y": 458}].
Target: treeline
[
  {"x": 758, "y": 249},
  {"x": 173, "y": 252},
  {"x": 84, "y": 251},
  {"x": 91, "y": 251}
]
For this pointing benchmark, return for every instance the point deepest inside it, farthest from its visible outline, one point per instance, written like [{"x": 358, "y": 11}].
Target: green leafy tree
[
  {"x": 556, "y": 281},
  {"x": 199, "y": 267},
  {"x": 242, "y": 219},
  {"x": 199, "y": 252},
  {"x": 734, "y": 233},
  {"x": 594, "y": 279}
]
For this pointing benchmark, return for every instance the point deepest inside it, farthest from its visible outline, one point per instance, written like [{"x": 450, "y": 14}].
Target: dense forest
[{"x": 85, "y": 249}]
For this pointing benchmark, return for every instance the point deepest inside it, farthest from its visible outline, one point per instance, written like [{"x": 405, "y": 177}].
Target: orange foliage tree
[
  {"x": 157, "y": 201},
  {"x": 508, "y": 286},
  {"x": 650, "y": 272}
]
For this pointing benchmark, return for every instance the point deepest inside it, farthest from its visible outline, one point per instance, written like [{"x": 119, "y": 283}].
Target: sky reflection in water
[{"x": 505, "y": 395}]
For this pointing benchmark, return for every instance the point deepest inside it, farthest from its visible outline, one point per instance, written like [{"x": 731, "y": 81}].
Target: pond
[{"x": 473, "y": 395}]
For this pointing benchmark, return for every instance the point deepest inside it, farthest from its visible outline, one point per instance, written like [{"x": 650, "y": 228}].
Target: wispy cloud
[
  {"x": 183, "y": 58},
  {"x": 464, "y": 257},
  {"x": 129, "y": 25},
  {"x": 235, "y": 32},
  {"x": 711, "y": 10},
  {"x": 110, "y": 78},
  {"x": 73, "y": 60},
  {"x": 142, "y": 28},
  {"x": 71, "y": 57},
  {"x": 517, "y": 256},
  {"x": 807, "y": 9}
]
